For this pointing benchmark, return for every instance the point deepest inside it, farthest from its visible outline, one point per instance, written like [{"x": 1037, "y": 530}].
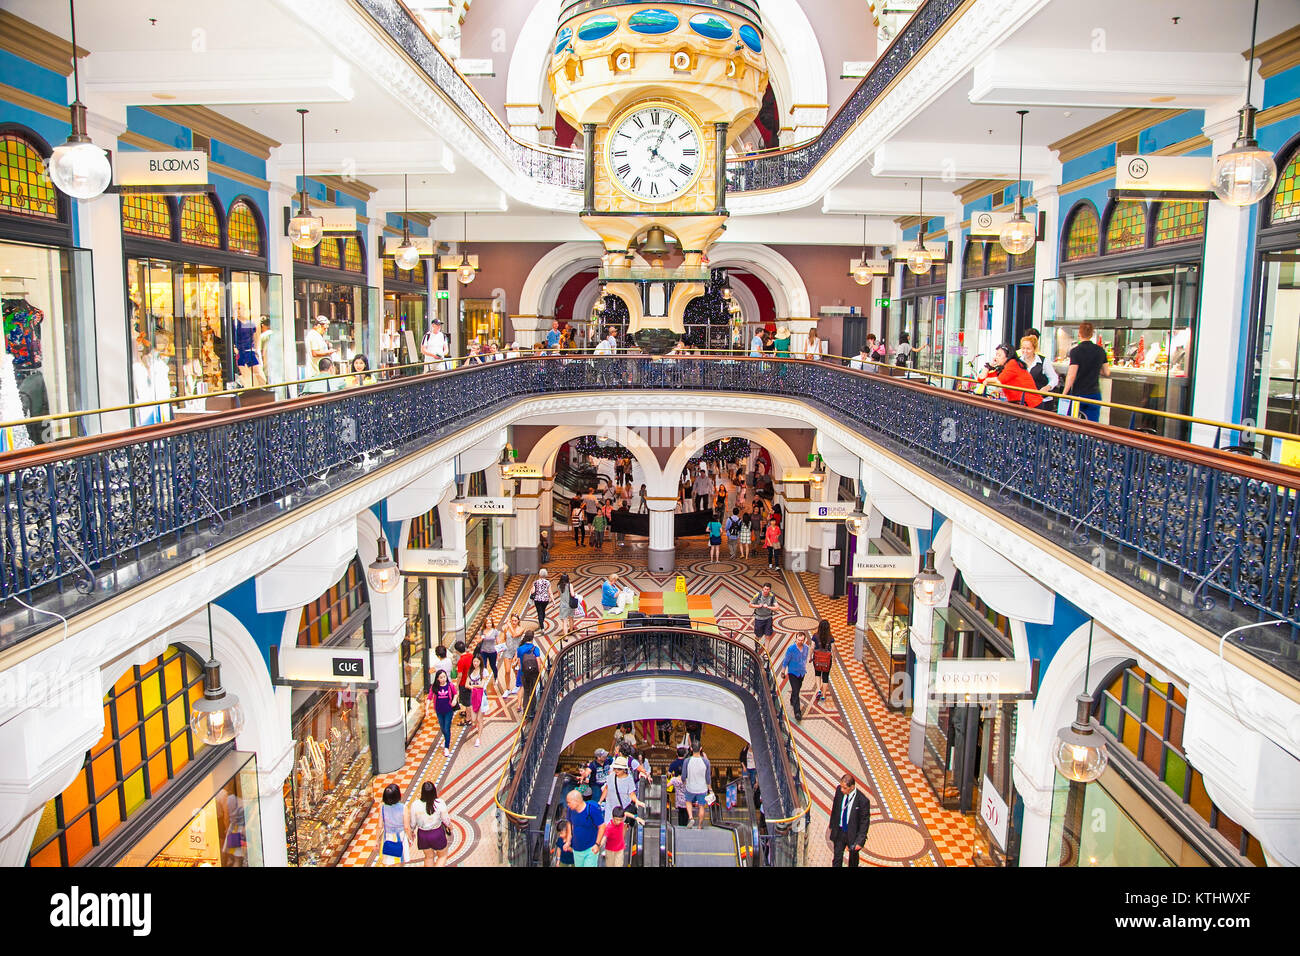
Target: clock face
[{"x": 654, "y": 154}]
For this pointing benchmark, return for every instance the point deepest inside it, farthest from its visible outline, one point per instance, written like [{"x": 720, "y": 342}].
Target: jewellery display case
[{"x": 328, "y": 794}]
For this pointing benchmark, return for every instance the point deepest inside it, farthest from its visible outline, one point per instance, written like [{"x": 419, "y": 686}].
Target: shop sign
[
  {"x": 427, "y": 562},
  {"x": 486, "y": 506},
  {"x": 988, "y": 222},
  {"x": 172, "y": 168},
  {"x": 521, "y": 471},
  {"x": 450, "y": 263},
  {"x": 832, "y": 511},
  {"x": 336, "y": 218},
  {"x": 423, "y": 243},
  {"x": 883, "y": 567},
  {"x": 981, "y": 678},
  {"x": 1192, "y": 174},
  {"x": 993, "y": 811},
  {"x": 324, "y": 665},
  {"x": 797, "y": 477}
]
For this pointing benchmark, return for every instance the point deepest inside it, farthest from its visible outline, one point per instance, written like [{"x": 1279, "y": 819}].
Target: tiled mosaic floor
[{"x": 851, "y": 730}]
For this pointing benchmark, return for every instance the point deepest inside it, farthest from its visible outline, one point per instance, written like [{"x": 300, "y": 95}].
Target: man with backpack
[
  {"x": 733, "y": 532},
  {"x": 530, "y": 667}
]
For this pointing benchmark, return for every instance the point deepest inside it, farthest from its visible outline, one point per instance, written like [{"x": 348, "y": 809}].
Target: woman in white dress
[{"x": 814, "y": 348}]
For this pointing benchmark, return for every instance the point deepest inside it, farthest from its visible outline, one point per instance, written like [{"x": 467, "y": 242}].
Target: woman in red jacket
[{"x": 1013, "y": 377}]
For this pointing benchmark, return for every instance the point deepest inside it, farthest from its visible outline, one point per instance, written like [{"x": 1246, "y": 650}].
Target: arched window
[
  {"x": 146, "y": 742},
  {"x": 426, "y": 531},
  {"x": 306, "y": 256},
  {"x": 1286, "y": 194},
  {"x": 972, "y": 263},
  {"x": 199, "y": 224},
  {"x": 25, "y": 189},
  {"x": 1179, "y": 222},
  {"x": 1127, "y": 228},
  {"x": 1082, "y": 233},
  {"x": 147, "y": 214},
  {"x": 329, "y": 253},
  {"x": 390, "y": 268},
  {"x": 323, "y": 617},
  {"x": 353, "y": 260},
  {"x": 418, "y": 275},
  {"x": 999, "y": 260},
  {"x": 242, "y": 231},
  {"x": 1026, "y": 260}
]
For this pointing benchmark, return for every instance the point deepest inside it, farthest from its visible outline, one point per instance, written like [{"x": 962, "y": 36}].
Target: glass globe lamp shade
[
  {"x": 929, "y": 587},
  {"x": 919, "y": 261},
  {"x": 382, "y": 573},
  {"x": 1018, "y": 235},
  {"x": 407, "y": 256},
  {"x": 465, "y": 273},
  {"x": 305, "y": 230},
  {"x": 862, "y": 274},
  {"x": 80, "y": 168},
  {"x": 217, "y": 717},
  {"x": 1244, "y": 174},
  {"x": 1080, "y": 753}
]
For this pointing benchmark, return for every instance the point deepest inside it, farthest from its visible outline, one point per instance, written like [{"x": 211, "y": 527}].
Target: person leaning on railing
[{"x": 1007, "y": 372}]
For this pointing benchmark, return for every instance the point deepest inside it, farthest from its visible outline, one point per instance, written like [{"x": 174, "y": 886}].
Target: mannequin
[
  {"x": 11, "y": 408},
  {"x": 22, "y": 343}
]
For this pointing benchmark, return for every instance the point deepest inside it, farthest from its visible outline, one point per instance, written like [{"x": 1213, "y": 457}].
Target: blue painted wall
[
  {"x": 266, "y": 629},
  {"x": 1045, "y": 640}
]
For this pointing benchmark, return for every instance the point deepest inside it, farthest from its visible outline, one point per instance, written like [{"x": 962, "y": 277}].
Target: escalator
[{"x": 728, "y": 841}]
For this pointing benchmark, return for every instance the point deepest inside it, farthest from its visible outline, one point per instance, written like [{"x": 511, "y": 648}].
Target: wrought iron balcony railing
[
  {"x": 647, "y": 653},
  {"x": 1212, "y": 535},
  {"x": 773, "y": 169}
]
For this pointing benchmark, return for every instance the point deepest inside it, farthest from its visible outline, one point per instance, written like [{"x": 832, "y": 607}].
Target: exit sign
[
  {"x": 444, "y": 294},
  {"x": 883, "y": 303}
]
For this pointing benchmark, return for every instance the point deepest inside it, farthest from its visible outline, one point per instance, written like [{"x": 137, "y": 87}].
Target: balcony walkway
[{"x": 852, "y": 730}]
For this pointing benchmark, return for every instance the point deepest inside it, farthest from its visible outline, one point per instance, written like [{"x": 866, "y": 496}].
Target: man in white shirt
[
  {"x": 607, "y": 345},
  {"x": 435, "y": 347},
  {"x": 863, "y": 360},
  {"x": 318, "y": 347}
]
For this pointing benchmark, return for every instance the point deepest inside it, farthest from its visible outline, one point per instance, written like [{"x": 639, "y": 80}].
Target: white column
[
  {"x": 1036, "y": 826},
  {"x": 952, "y": 299},
  {"x": 99, "y": 229},
  {"x": 453, "y": 538},
  {"x": 1046, "y": 258},
  {"x": 794, "y": 550},
  {"x": 662, "y": 552},
  {"x": 799, "y": 329},
  {"x": 523, "y": 119},
  {"x": 530, "y": 329},
  {"x": 822, "y": 536},
  {"x": 1223, "y": 286},
  {"x": 374, "y": 236},
  {"x": 524, "y": 546},
  {"x": 387, "y": 630},
  {"x": 279, "y": 259},
  {"x": 862, "y": 549},
  {"x": 270, "y": 809},
  {"x": 922, "y": 638}
]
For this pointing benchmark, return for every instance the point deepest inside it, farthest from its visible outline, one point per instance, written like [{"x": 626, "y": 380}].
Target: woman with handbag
[
  {"x": 396, "y": 823},
  {"x": 430, "y": 822},
  {"x": 564, "y": 604},
  {"x": 443, "y": 695},
  {"x": 477, "y": 681}
]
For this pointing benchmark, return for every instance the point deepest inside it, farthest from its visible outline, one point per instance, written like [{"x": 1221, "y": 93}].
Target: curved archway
[
  {"x": 553, "y": 270},
  {"x": 777, "y": 272},
  {"x": 544, "y": 451},
  {"x": 782, "y": 455}
]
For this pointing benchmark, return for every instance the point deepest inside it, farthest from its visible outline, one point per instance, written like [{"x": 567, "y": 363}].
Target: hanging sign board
[
  {"x": 832, "y": 511},
  {"x": 450, "y": 263},
  {"x": 982, "y": 677},
  {"x": 989, "y": 223},
  {"x": 336, "y": 218},
  {"x": 883, "y": 567},
  {"x": 993, "y": 811},
  {"x": 1157, "y": 173},
  {"x": 324, "y": 665},
  {"x": 422, "y": 243},
  {"x": 877, "y": 267},
  {"x": 521, "y": 472},
  {"x": 134, "y": 169},
  {"x": 431, "y": 563},
  {"x": 501, "y": 507}
]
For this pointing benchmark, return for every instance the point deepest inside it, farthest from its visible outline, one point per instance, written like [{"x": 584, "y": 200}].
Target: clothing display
[
  {"x": 22, "y": 322},
  {"x": 36, "y": 402},
  {"x": 11, "y": 408},
  {"x": 245, "y": 351}
]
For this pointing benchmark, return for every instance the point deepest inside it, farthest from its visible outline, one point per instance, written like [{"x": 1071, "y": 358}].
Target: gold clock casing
[{"x": 605, "y": 144}]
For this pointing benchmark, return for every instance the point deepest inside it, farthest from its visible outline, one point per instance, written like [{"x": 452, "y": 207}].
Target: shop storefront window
[
  {"x": 245, "y": 234},
  {"x": 1110, "y": 838},
  {"x": 415, "y": 650},
  {"x": 480, "y": 321},
  {"x": 979, "y": 330},
  {"x": 335, "y": 287},
  {"x": 483, "y": 565},
  {"x": 406, "y": 304},
  {"x": 146, "y": 744}
]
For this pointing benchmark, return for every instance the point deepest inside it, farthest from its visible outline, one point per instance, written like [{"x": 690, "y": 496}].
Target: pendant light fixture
[
  {"x": 862, "y": 271},
  {"x": 919, "y": 260},
  {"x": 1245, "y": 174},
  {"x": 382, "y": 573},
  {"x": 1080, "y": 753},
  {"x": 78, "y": 167},
  {"x": 930, "y": 588},
  {"x": 1018, "y": 235},
  {"x": 305, "y": 230},
  {"x": 407, "y": 256},
  {"x": 217, "y": 717},
  {"x": 465, "y": 271}
]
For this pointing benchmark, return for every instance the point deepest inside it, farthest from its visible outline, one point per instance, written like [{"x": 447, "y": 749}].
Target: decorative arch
[
  {"x": 1081, "y": 237},
  {"x": 1284, "y": 204},
  {"x": 777, "y": 272},
  {"x": 1126, "y": 226},
  {"x": 200, "y": 222},
  {"x": 354, "y": 254},
  {"x": 796, "y": 68},
  {"x": 553, "y": 270},
  {"x": 783, "y": 458},
  {"x": 972, "y": 261},
  {"x": 148, "y": 214},
  {"x": 25, "y": 188},
  {"x": 1175, "y": 222},
  {"x": 544, "y": 451},
  {"x": 526, "y": 83},
  {"x": 245, "y": 231}
]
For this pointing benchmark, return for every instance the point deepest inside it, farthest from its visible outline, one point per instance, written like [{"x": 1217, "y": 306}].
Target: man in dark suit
[{"x": 850, "y": 817}]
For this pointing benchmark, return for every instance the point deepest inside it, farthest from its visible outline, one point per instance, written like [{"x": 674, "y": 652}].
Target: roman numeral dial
[{"x": 654, "y": 154}]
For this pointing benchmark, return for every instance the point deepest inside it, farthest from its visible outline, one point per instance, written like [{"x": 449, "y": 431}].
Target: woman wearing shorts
[
  {"x": 487, "y": 642},
  {"x": 429, "y": 821},
  {"x": 477, "y": 682},
  {"x": 715, "y": 538},
  {"x": 508, "y": 652},
  {"x": 823, "y": 656},
  {"x": 746, "y": 535}
]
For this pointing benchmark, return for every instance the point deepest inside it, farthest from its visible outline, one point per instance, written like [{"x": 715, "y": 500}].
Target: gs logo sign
[{"x": 1138, "y": 168}]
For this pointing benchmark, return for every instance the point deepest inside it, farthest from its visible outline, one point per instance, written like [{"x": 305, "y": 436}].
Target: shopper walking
[
  {"x": 464, "y": 661},
  {"x": 714, "y": 530},
  {"x": 643, "y": 503},
  {"x": 598, "y": 525},
  {"x": 733, "y": 532},
  {"x": 541, "y": 598},
  {"x": 795, "y": 666},
  {"x": 396, "y": 823},
  {"x": 578, "y": 522},
  {"x": 772, "y": 541},
  {"x": 1089, "y": 363},
  {"x": 763, "y": 605},
  {"x": 477, "y": 682},
  {"x": 703, "y": 490},
  {"x": 530, "y": 669},
  {"x": 849, "y": 820},
  {"x": 443, "y": 695},
  {"x": 746, "y": 535},
  {"x": 430, "y": 822},
  {"x": 487, "y": 642},
  {"x": 823, "y": 656},
  {"x": 564, "y": 604},
  {"x": 513, "y": 634},
  {"x": 696, "y": 774},
  {"x": 586, "y": 837}
]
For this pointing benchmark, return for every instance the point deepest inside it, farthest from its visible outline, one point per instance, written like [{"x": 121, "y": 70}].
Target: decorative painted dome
[
  {"x": 711, "y": 26},
  {"x": 597, "y": 27},
  {"x": 653, "y": 22}
]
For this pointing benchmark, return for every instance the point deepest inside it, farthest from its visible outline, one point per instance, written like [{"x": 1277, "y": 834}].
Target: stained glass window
[
  {"x": 329, "y": 612},
  {"x": 972, "y": 263},
  {"x": 1179, "y": 222},
  {"x": 146, "y": 214},
  {"x": 1146, "y": 717},
  {"x": 241, "y": 227},
  {"x": 199, "y": 226},
  {"x": 418, "y": 274},
  {"x": 999, "y": 259},
  {"x": 306, "y": 256},
  {"x": 1127, "y": 228},
  {"x": 1286, "y": 195},
  {"x": 1083, "y": 233},
  {"x": 1026, "y": 260},
  {"x": 390, "y": 268},
  {"x": 329, "y": 253},
  {"x": 25, "y": 190},
  {"x": 426, "y": 531},
  {"x": 352, "y": 260},
  {"x": 146, "y": 742}
]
